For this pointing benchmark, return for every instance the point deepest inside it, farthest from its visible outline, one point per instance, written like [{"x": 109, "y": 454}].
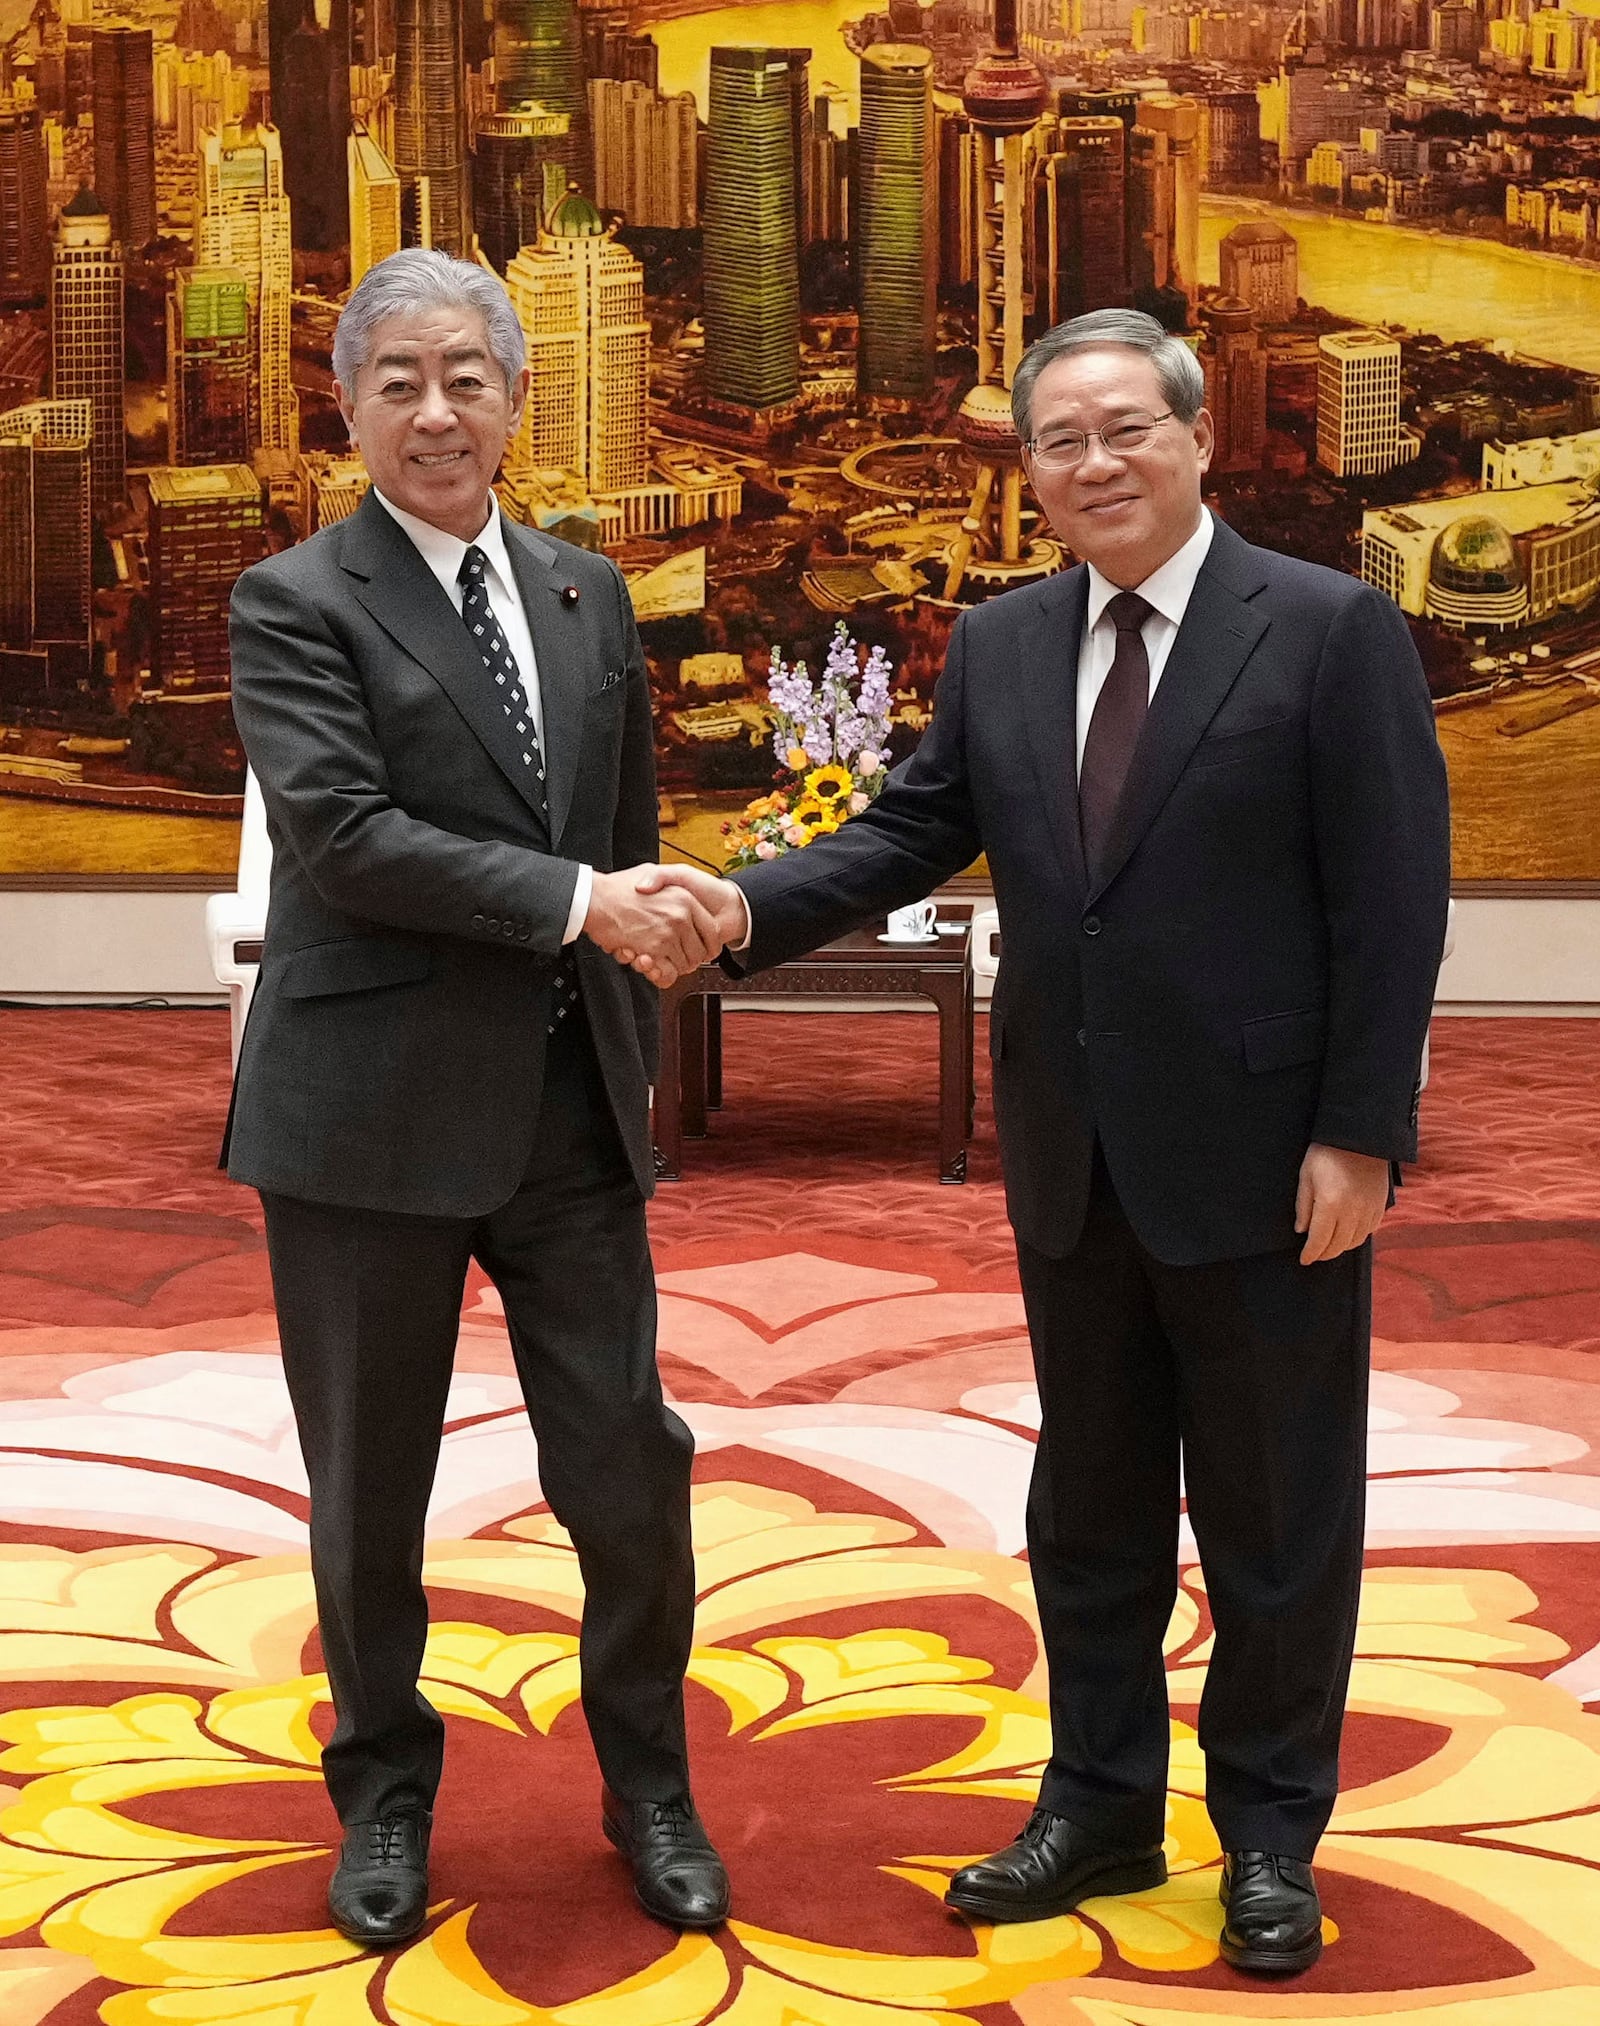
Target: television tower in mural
[{"x": 1004, "y": 96}]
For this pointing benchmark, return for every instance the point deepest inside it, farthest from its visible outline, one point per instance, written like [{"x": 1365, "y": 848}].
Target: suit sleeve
[
  {"x": 301, "y": 712},
  {"x": 919, "y": 832},
  {"x": 1380, "y": 814},
  {"x": 635, "y": 837}
]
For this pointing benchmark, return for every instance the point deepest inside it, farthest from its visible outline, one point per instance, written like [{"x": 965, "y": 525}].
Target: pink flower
[
  {"x": 858, "y": 802},
  {"x": 766, "y": 849},
  {"x": 794, "y": 834},
  {"x": 868, "y": 762}
]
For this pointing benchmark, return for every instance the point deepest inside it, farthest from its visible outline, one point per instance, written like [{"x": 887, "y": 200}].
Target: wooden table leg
[
  {"x": 949, "y": 995},
  {"x": 693, "y": 1066},
  {"x": 667, "y": 1114},
  {"x": 713, "y": 1005}
]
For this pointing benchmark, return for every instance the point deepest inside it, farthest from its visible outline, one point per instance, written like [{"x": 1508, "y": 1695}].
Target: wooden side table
[{"x": 858, "y": 965}]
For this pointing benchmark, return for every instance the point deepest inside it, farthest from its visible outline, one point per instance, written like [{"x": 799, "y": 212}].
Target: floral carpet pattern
[{"x": 866, "y": 1695}]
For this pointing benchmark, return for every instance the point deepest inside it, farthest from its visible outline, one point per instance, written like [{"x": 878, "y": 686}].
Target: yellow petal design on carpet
[
  {"x": 491, "y": 1663},
  {"x": 273, "y": 1722},
  {"x": 120, "y": 1929},
  {"x": 440, "y": 1982},
  {"x": 764, "y": 2000},
  {"x": 337, "y": 1997},
  {"x": 1005, "y": 1960},
  {"x": 140, "y": 1727},
  {"x": 830, "y": 1667},
  {"x": 110, "y": 1593},
  {"x": 33, "y": 1881},
  {"x": 750, "y": 1685},
  {"x": 1173, "y": 1927}
]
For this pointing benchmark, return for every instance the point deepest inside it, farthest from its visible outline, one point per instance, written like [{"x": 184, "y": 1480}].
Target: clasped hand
[{"x": 664, "y": 920}]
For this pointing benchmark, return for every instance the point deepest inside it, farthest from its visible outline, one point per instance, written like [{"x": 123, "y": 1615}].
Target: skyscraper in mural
[
  {"x": 125, "y": 131},
  {"x": 1358, "y": 403},
  {"x": 45, "y": 590},
  {"x": 521, "y": 166},
  {"x": 579, "y": 297},
  {"x": 751, "y": 254},
  {"x": 1260, "y": 262},
  {"x": 897, "y": 230},
  {"x": 374, "y": 204},
  {"x": 244, "y": 224},
  {"x": 308, "y": 45},
  {"x": 1080, "y": 220},
  {"x": 24, "y": 234},
  {"x": 1235, "y": 365},
  {"x": 210, "y": 366},
  {"x": 86, "y": 337},
  {"x": 1004, "y": 95},
  {"x": 430, "y": 121},
  {"x": 538, "y": 60},
  {"x": 205, "y": 528},
  {"x": 1164, "y": 191}
]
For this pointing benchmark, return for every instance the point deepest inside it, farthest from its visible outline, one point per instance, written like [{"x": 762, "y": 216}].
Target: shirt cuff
[
  {"x": 749, "y": 926},
  {"x": 578, "y": 912}
]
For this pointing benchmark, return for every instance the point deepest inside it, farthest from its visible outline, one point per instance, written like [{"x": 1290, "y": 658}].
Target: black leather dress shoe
[
  {"x": 379, "y": 1892},
  {"x": 1050, "y": 1869},
  {"x": 677, "y": 1874},
  {"x": 1274, "y": 1918}
]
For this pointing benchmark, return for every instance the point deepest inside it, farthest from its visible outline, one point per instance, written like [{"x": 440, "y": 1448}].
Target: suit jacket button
[
  {"x": 493, "y": 925},
  {"x": 1091, "y": 925},
  {"x": 508, "y": 928},
  {"x": 1083, "y": 1037},
  {"x": 478, "y": 922},
  {"x": 524, "y": 934}
]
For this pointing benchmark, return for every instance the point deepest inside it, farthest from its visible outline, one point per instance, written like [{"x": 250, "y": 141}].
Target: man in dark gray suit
[
  {"x": 1206, "y": 779},
  {"x": 450, "y": 721}
]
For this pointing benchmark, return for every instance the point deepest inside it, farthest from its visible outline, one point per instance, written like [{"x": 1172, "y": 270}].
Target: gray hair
[
  {"x": 421, "y": 278},
  {"x": 1183, "y": 383}
]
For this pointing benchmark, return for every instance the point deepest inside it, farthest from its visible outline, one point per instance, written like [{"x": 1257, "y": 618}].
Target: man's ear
[{"x": 347, "y": 410}]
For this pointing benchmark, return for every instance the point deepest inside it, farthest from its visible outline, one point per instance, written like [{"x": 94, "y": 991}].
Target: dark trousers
[
  {"x": 1254, "y": 1372},
  {"x": 368, "y": 1310}
]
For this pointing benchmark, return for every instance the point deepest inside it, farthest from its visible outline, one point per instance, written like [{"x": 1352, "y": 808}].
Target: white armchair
[{"x": 240, "y": 917}]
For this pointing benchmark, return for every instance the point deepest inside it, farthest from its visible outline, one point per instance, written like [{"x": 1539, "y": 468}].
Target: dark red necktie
[{"x": 1114, "y": 729}]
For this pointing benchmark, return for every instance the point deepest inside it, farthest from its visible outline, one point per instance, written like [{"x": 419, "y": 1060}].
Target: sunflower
[
  {"x": 831, "y": 783},
  {"x": 815, "y": 817}
]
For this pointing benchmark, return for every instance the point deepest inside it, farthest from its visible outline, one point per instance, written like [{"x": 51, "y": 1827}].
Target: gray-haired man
[{"x": 450, "y": 722}]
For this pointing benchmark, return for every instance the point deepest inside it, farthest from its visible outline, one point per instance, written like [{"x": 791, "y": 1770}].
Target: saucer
[{"x": 911, "y": 942}]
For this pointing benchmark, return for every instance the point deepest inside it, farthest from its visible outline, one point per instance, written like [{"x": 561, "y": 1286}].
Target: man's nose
[
  {"x": 1095, "y": 456},
  {"x": 435, "y": 410}
]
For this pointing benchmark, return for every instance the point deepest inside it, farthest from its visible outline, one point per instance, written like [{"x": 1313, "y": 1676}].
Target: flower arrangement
[{"x": 830, "y": 739}]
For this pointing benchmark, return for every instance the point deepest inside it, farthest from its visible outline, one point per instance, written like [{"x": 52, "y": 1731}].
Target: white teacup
[{"x": 913, "y": 924}]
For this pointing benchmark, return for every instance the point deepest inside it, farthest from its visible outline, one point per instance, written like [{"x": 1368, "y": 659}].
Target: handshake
[{"x": 665, "y": 920}]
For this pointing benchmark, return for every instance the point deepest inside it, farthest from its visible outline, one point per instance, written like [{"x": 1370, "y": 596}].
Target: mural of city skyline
[{"x": 776, "y": 264}]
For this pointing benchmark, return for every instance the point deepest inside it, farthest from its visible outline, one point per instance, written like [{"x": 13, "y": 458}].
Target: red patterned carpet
[{"x": 845, "y": 1337}]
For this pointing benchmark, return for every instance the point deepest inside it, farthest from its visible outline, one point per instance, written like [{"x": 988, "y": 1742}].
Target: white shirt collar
[
  {"x": 442, "y": 552},
  {"x": 1167, "y": 589}
]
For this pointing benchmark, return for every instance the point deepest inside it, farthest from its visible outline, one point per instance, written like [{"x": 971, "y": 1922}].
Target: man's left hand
[{"x": 1340, "y": 1201}]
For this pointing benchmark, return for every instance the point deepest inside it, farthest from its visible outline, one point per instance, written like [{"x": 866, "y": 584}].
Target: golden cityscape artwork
[{"x": 776, "y": 264}]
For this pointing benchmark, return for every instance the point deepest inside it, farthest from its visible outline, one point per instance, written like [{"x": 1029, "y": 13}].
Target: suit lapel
[
  {"x": 563, "y": 648},
  {"x": 1048, "y": 666},
  {"x": 1219, "y": 633}
]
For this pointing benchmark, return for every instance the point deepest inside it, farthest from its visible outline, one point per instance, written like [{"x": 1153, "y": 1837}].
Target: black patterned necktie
[
  {"x": 477, "y": 615},
  {"x": 1114, "y": 728}
]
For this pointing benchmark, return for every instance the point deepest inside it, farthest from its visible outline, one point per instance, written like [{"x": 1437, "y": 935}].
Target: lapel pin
[{"x": 569, "y": 594}]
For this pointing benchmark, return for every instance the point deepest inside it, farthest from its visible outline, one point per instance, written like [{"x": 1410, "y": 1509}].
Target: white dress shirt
[
  {"x": 442, "y": 553},
  {"x": 1167, "y": 592}
]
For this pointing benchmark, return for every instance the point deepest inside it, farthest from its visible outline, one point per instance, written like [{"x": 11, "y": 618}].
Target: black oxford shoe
[
  {"x": 677, "y": 1875},
  {"x": 1274, "y": 1918},
  {"x": 1051, "y": 1868},
  {"x": 379, "y": 1892}
]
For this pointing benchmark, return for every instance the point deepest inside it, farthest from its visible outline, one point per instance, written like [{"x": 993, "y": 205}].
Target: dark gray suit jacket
[
  {"x": 1253, "y": 968},
  {"x": 394, "y": 1054}
]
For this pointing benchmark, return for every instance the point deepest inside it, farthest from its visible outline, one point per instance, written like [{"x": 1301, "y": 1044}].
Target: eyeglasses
[{"x": 1068, "y": 447}]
